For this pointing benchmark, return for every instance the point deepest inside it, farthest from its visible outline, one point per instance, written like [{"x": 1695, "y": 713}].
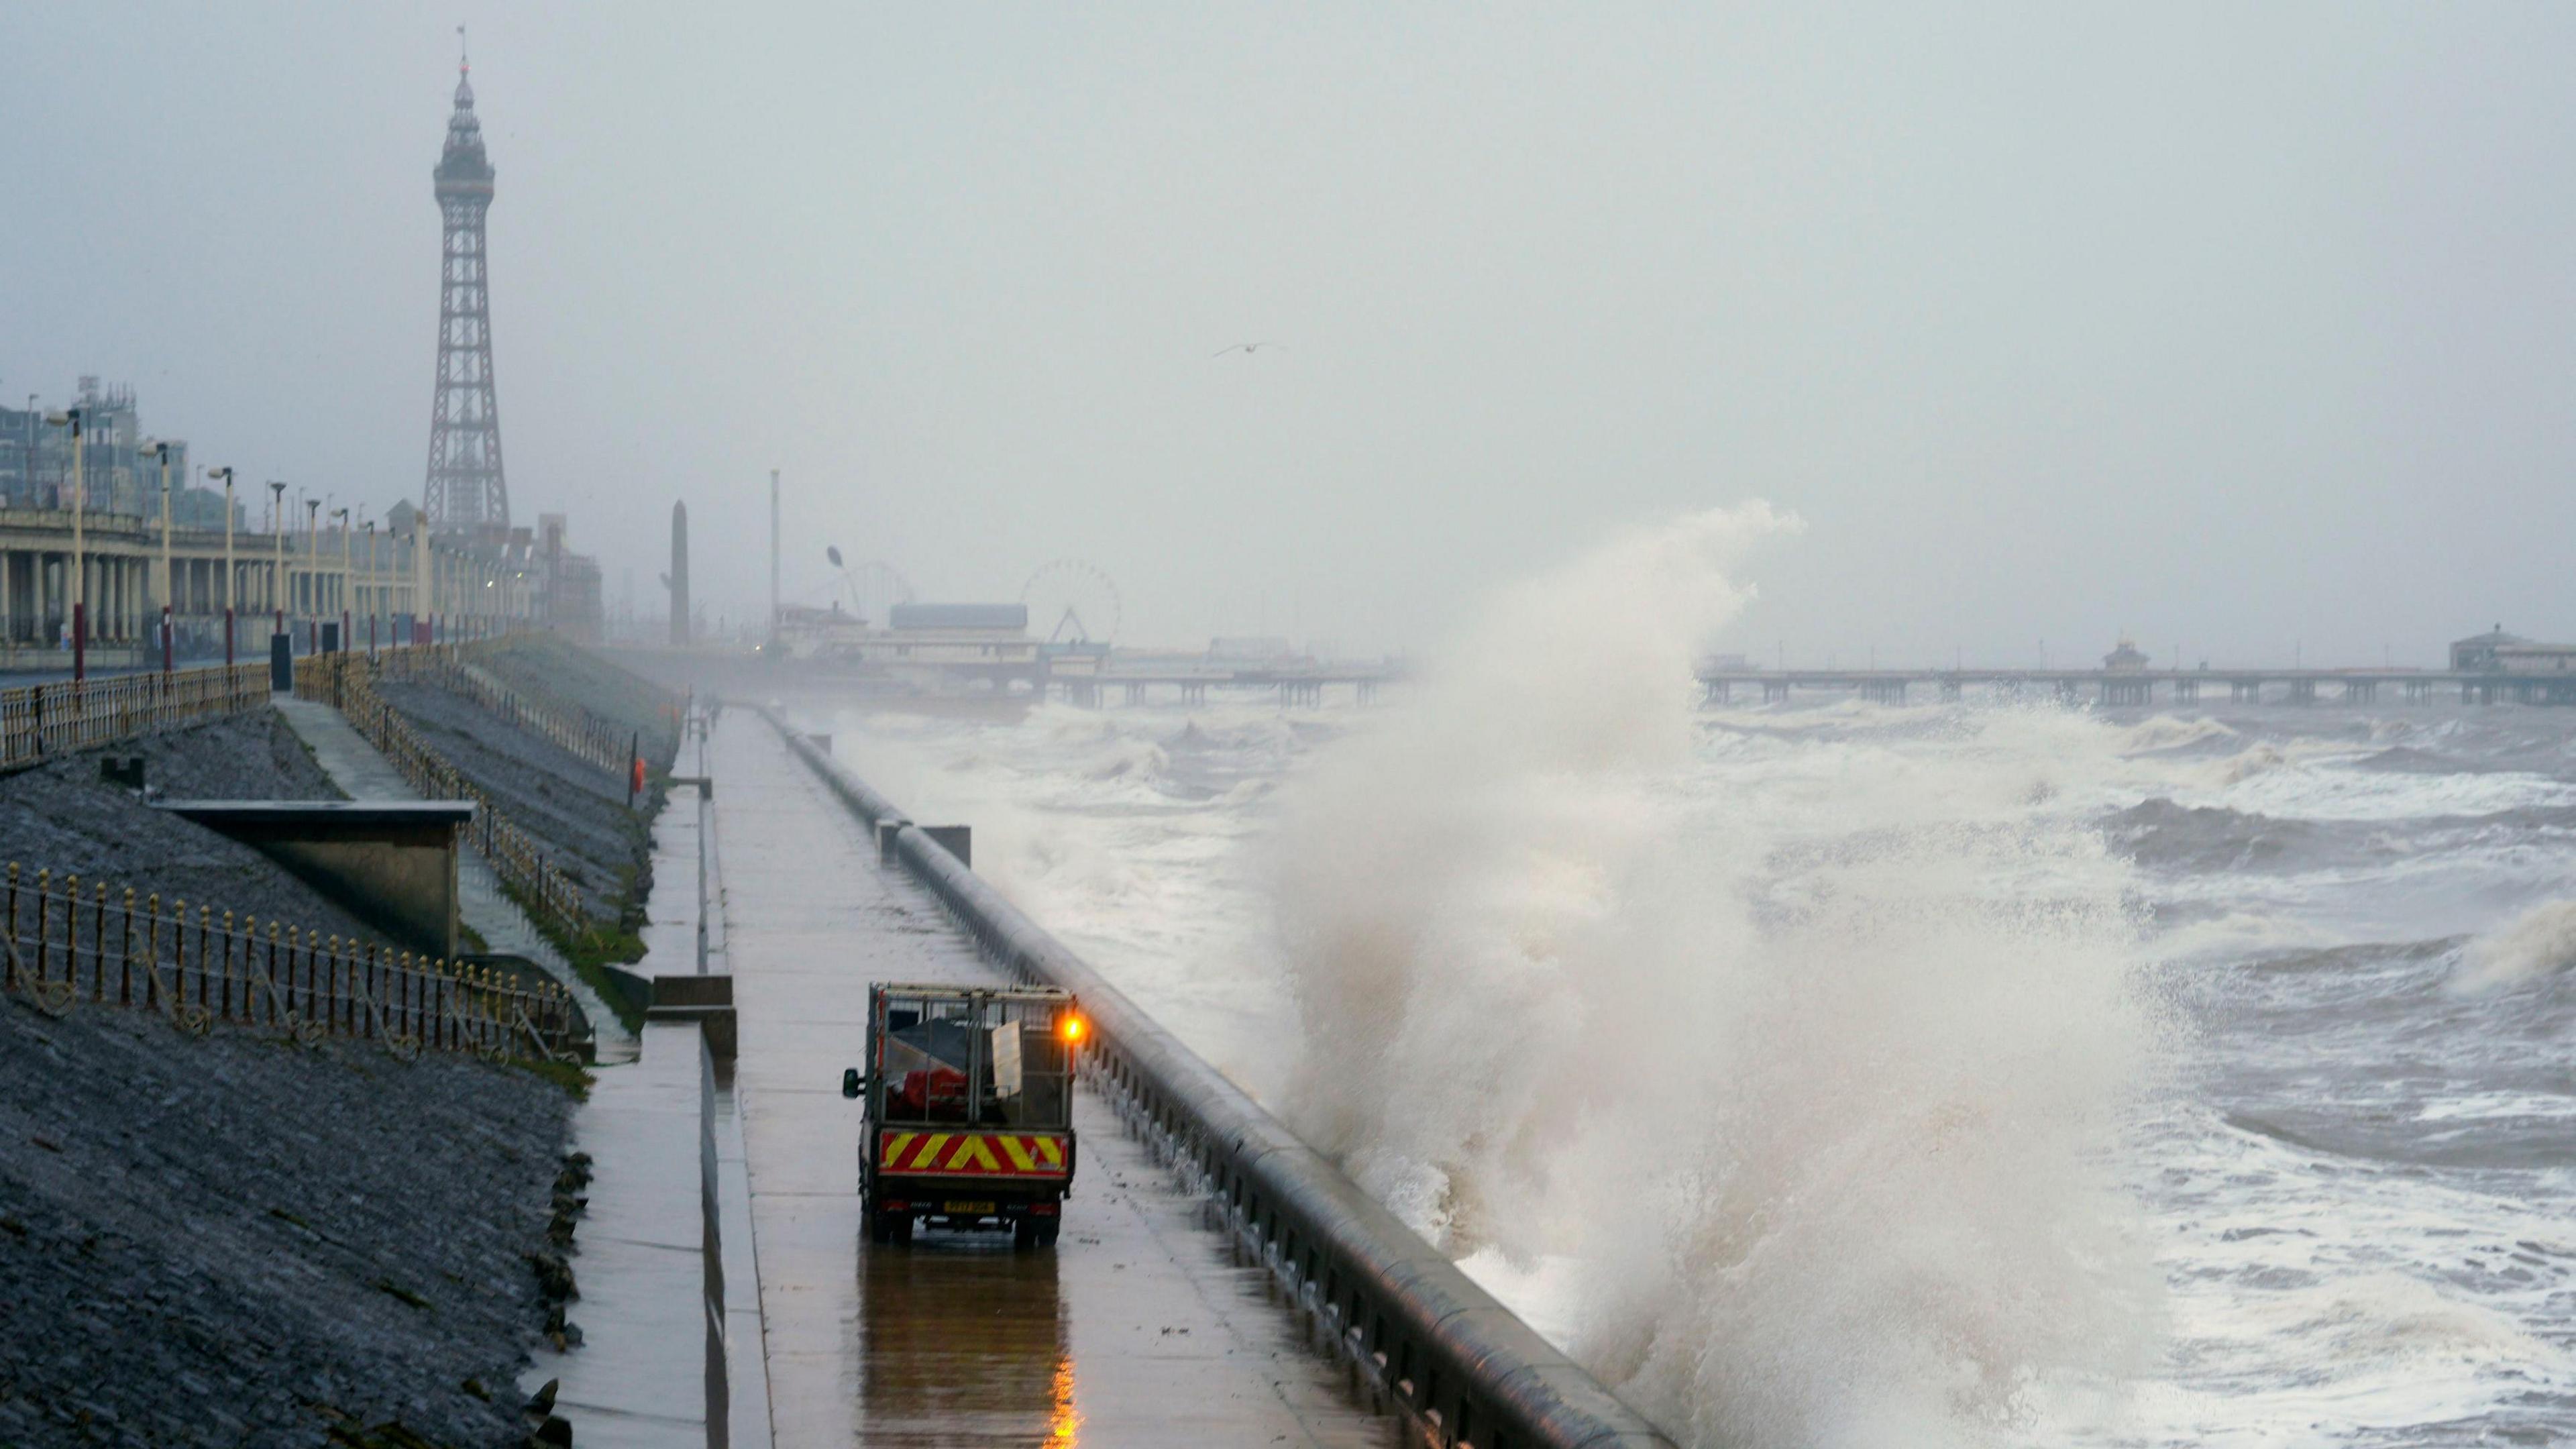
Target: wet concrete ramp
[{"x": 1139, "y": 1329}]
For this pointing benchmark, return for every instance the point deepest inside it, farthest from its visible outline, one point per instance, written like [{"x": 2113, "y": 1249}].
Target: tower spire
[{"x": 465, "y": 489}]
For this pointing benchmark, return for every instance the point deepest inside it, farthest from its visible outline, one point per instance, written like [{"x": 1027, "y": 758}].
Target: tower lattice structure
[{"x": 465, "y": 490}]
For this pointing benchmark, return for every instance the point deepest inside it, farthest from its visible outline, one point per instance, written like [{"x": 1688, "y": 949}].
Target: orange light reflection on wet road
[{"x": 1065, "y": 1428}]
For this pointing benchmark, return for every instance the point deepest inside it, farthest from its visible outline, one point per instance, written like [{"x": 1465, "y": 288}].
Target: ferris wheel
[
  {"x": 1073, "y": 602},
  {"x": 873, "y": 587}
]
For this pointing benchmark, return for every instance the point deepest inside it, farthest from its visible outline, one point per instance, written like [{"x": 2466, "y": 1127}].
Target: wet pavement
[
  {"x": 639, "y": 1378},
  {"x": 1139, "y": 1329},
  {"x": 649, "y": 1373}
]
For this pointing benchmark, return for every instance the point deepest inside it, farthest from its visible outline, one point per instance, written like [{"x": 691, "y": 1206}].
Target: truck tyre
[
  {"x": 1046, "y": 1233},
  {"x": 1024, "y": 1235},
  {"x": 890, "y": 1228}
]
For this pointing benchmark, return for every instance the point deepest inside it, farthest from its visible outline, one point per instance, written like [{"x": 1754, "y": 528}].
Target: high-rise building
[
  {"x": 465, "y": 492},
  {"x": 36, "y": 459}
]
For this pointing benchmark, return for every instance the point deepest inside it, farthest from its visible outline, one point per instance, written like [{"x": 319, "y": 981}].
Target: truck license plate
[{"x": 965, "y": 1209}]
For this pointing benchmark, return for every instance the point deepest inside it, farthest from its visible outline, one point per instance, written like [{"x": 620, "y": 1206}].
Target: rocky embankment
[
  {"x": 577, "y": 809},
  {"x": 61, "y": 817},
  {"x": 234, "y": 1239},
  {"x": 544, "y": 665}
]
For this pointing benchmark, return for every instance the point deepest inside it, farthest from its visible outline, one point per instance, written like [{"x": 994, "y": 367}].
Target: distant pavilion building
[
  {"x": 2126, "y": 657},
  {"x": 2497, "y": 652}
]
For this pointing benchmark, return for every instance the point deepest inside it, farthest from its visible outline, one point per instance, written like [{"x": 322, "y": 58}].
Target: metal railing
[
  {"x": 64, "y": 948},
  {"x": 346, "y": 683},
  {"x": 40, "y": 721},
  {"x": 1416, "y": 1333},
  {"x": 569, "y": 726}
]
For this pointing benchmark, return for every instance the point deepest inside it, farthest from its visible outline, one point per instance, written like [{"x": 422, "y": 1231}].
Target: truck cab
[{"x": 967, "y": 1096}]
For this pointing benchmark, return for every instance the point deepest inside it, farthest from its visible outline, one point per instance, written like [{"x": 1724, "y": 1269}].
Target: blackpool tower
[{"x": 465, "y": 492}]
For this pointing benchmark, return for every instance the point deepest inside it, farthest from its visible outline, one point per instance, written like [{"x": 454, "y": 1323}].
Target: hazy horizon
[{"x": 2241, "y": 332}]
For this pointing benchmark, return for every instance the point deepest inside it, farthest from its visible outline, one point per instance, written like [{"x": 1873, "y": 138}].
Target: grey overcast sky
[{"x": 2242, "y": 327}]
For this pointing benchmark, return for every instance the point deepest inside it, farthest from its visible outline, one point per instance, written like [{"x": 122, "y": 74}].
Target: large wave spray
[
  {"x": 2535, "y": 944},
  {"x": 1800, "y": 1062}
]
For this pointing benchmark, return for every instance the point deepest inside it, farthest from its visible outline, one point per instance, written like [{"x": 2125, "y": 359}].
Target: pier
[
  {"x": 2139, "y": 688},
  {"x": 1291, "y": 684}
]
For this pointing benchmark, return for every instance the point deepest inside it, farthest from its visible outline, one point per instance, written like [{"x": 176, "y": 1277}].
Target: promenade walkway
[{"x": 1138, "y": 1330}]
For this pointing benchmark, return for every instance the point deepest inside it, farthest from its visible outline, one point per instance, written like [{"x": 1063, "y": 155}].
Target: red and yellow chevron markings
[{"x": 971, "y": 1154}]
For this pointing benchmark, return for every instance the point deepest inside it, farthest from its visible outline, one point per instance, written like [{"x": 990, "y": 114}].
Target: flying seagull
[{"x": 1248, "y": 348}]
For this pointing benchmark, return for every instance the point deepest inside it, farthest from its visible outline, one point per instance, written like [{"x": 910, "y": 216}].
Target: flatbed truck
[{"x": 967, "y": 1101}]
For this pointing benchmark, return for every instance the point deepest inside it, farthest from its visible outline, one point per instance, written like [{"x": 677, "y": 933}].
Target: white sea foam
[
  {"x": 1075, "y": 820},
  {"x": 2541, "y": 942},
  {"x": 2302, "y": 781},
  {"x": 2164, "y": 732},
  {"x": 1764, "y": 1062},
  {"x": 1807, "y": 1062}
]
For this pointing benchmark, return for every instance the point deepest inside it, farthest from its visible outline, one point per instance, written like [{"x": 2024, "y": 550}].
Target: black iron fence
[
  {"x": 40, "y": 721},
  {"x": 65, "y": 946},
  {"x": 570, "y": 726}
]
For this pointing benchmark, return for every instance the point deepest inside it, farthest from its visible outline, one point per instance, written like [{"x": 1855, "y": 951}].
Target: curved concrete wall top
[{"x": 1461, "y": 1366}]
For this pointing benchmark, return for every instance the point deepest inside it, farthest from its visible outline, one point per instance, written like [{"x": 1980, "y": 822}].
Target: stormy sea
[{"x": 1987, "y": 1073}]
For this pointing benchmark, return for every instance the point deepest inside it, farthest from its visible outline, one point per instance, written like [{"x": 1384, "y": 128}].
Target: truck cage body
[{"x": 969, "y": 1108}]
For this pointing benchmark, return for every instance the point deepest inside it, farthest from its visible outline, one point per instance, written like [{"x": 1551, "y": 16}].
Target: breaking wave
[
  {"x": 1808, "y": 1060},
  {"x": 2541, "y": 942},
  {"x": 2166, "y": 835},
  {"x": 2166, "y": 734}
]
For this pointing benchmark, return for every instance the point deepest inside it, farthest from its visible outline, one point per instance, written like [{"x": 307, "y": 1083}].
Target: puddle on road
[{"x": 962, "y": 1341}]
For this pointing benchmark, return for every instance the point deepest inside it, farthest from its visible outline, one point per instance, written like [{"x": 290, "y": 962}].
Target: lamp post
[
  {"x": 311, "y": 605},
  {"x": 161, "y": 451},
  {"x": 342, "y": 514},
  {"x": 80, "y": 546},
  {"x": 771, "y": 642},
  {"x": 230, "y": 580},
  {"x": 277, "y": 573},
  {"x": 375, "y": 590}
]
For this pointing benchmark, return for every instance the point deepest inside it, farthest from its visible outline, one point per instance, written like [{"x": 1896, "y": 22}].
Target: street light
[
  {"x": 231, "y": 581},
  {"x": 342, "y": 514},
  {"x": 277, "y": 576},
  {"x": 80, "y": 544},
  {"x": 161, "y": 450},
  {"x": 375, "y": 589},
  {"x": 311, "y": 607}
]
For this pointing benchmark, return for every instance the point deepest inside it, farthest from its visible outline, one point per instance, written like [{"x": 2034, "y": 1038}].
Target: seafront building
[{"x": 2497, "y": 652}]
